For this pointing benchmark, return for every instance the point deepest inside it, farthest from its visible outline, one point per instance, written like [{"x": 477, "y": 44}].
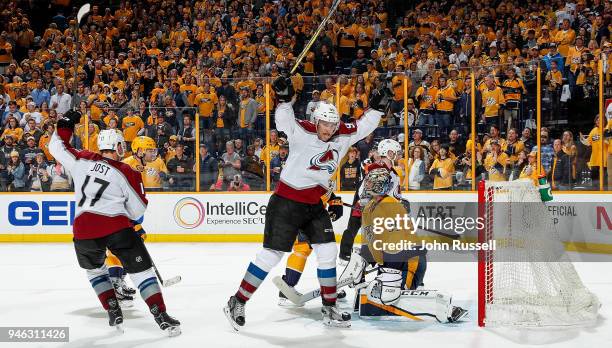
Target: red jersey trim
[
  {"x": 91, "y": 226},
  {"x": 307, "y": 126},
  {"x": 347, "y": 128},
  {"x": 311, "y": 195}
]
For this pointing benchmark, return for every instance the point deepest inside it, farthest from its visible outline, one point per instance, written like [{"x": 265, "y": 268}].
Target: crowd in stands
[{"x": 152, "y": 68}]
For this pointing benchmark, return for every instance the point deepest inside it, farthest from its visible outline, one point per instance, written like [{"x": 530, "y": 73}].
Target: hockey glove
[
  {"x": 435, "y": 171},
  {"x": 608, "y": 133},
  {"x": 69, "y": 120},
  {"x": 334, "y": 207},
  {"x": 283, "y": 87},
  {"x": 375, "y": 98}
]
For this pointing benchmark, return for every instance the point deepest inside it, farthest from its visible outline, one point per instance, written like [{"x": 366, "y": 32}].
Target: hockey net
[{"x": 528, "y": 280}]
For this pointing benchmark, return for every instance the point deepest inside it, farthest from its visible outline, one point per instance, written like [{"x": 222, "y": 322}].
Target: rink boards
[{"x": 227, "y": 217}]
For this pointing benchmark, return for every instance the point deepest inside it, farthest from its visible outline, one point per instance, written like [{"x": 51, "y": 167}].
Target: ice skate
[
  {"x": 166, "y": 322},
  {"x": 125, "y": 299},
  {"x": 333, "y": 317},
  {"x": 234, "y": 311},
  {"x": 115, "y": 316}
]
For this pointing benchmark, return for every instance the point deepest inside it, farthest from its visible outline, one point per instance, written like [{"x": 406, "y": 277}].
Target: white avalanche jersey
[
  {"x": 108, "y": 193},
  {"x": 311, "y": 162}
]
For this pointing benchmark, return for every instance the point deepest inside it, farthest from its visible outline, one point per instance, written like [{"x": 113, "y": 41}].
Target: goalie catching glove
[
  {"x": 283, "y": 87},
  {"x": 334, "y": 207}
]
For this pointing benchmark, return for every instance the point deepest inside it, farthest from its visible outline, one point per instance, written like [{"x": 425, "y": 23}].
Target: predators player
[
  {"x": 390, "y": 292},
  {"x": 143, "y": 160}
]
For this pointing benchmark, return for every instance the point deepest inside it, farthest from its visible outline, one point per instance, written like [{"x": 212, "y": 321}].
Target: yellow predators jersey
[
  {"x": 594, "y": 139},
  {"x": 496, "y": 166},
  {"x": 151, "y": 174},
  {"x": 426, "y": 97},
  {"x": 374, "y": 211},
  {"x": 491, "y": 100},
  {"x": 512, "y": 150},
  {"x": 447, "y": 170},
  {"x": 445, "y": 98}
]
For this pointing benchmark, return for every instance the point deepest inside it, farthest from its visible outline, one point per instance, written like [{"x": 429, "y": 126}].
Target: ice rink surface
[{"x": 42, "y": 285}]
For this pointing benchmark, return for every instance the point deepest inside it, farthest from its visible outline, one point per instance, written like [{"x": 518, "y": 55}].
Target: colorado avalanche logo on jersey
[{"x": 325, "y": 161}]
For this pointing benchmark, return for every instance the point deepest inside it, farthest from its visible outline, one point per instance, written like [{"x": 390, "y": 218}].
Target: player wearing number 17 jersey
[{"x": 109, "y": 195}]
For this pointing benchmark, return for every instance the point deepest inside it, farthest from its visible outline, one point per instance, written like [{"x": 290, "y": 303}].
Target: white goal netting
[{"x": 528, "y": 280}]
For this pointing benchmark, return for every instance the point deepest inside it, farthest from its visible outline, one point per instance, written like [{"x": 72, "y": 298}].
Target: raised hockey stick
[{"x": 314, "y": 36}]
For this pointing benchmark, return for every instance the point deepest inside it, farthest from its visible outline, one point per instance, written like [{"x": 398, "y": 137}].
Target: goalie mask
[{"x": 377, "y": 182}]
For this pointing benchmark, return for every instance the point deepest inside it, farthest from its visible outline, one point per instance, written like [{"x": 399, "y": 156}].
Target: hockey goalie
[{"x": 394, "y": 291}]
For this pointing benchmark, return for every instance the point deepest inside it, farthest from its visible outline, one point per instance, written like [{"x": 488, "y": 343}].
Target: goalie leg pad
[
  {"x": 387, "y": 287},
  {"x": 417, "y": 305}
]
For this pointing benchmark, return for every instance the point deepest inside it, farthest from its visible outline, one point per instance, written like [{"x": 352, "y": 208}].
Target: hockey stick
[
  {"x": 299, "y": 299},
  {"x": 314, "y": 36},
  {"x": 165, "y": 283}
]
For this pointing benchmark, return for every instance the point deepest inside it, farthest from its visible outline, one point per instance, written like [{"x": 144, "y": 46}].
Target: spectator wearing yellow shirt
[
  {"x": 365, "y": 36},
  {"x": 445, "y": 104},
  {"x": 426, "y": 96},
  {"x": 493, "y": 101},
  {"x": 329, "y": 93},
  {"x": 6, "y": 52},
  {"x": 260, "y": 122},
  {"x": 565, "y": 37},
  {"x": 358, "y": 101},
  {"x": 512, "y": 147},
  {"x": 347, "y": 34},
  {"x": 529, "y": 171},
  {"x": 594, "y": 141},
  {"x": 205, "y": 100},
  {"x": 132, "y": 125},
  {"x": 513, "y": 89},
  {"x": 495, "y": 162},
  {"x": 13, "y": 130},
  {"x": 443, "y": 170},
  {"x": 574, "y": 59}
]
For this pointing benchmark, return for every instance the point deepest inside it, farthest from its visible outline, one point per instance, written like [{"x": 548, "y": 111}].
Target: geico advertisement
[{"x": 166, "y": 214}]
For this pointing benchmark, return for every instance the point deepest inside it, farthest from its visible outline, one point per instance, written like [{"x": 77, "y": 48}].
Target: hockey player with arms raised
[
  {"x": 109, "y": 196},
  {"x": 316, "y": 149},
  {"x": 389, "y": 291}
]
